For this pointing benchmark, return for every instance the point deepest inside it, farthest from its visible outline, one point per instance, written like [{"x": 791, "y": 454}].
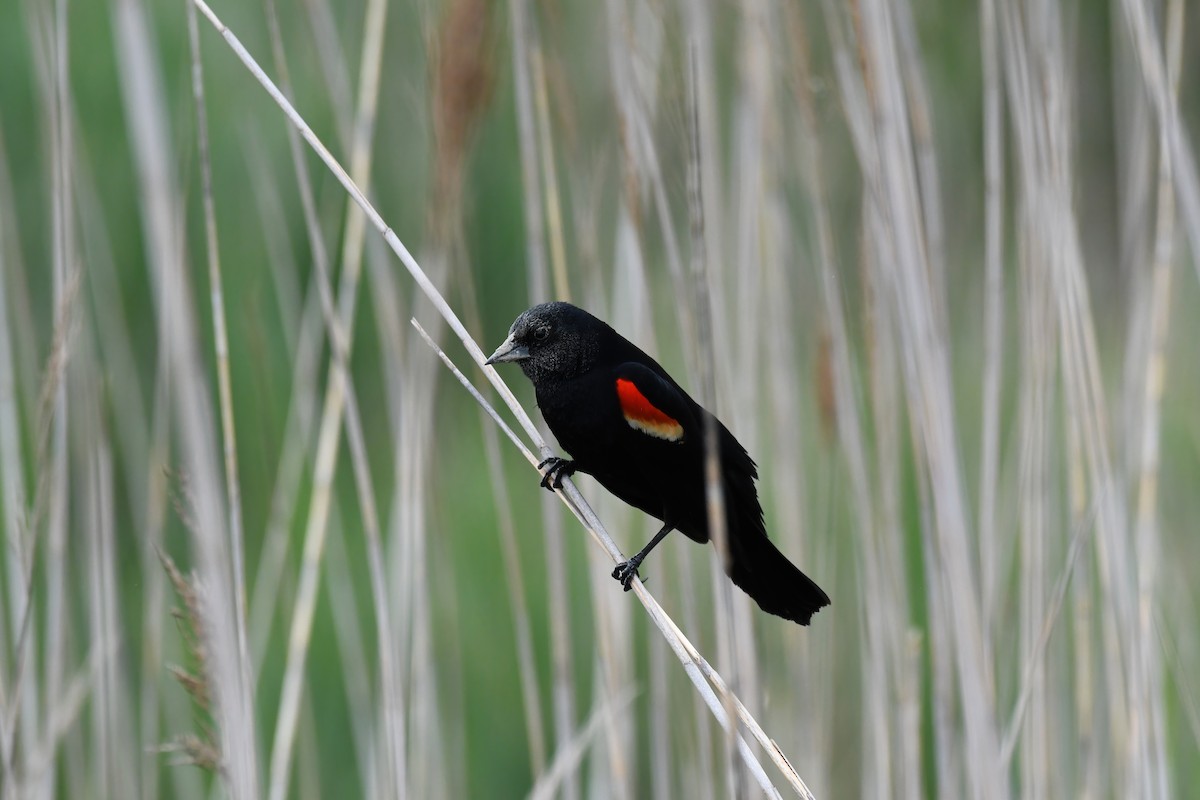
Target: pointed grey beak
[{"x": 509, "y": 351}]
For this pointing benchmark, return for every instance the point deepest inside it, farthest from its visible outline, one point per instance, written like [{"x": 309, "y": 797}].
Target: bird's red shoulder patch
[{"x": 644, "y": 416}]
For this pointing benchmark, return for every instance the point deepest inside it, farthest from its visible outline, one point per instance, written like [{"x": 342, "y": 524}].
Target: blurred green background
[{"x": 454, "y": 197}]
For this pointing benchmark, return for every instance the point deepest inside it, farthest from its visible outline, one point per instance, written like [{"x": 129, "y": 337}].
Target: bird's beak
[{"x": 509, "y": 351}]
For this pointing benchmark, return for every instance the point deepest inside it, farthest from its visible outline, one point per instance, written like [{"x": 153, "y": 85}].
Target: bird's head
[{"x": 552, "y": 340}]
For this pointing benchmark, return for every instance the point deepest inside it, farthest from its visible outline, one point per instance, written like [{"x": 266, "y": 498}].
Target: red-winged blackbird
[{"x": 630, "y": 426}]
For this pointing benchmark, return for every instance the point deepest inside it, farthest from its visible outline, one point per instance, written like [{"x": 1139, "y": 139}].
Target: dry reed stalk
[
  {"x": 543, "y": 218},
  {"x": 520, "y": 608},
  {"x": 1147, "y": 543},
  {"x": 851, "y": 432},
  {"x": 233, "y": 494},
  {"x": 112, "y": 723},
  {"x": 305, "y": 352},
  {"x": 529, "y": 682},
  {"x": 303, "y": 337},
  {"x": 729, "y": 642},
  {"x": 1155, "y": 72},
  {"x": 993, "y": 313},
  {"x": 65, "y": 266},
  {"x": 884, "y": 594},
  {"x": 554, "y": 220},
  {"x": 392, "y": 758},
  {"x": 18, "y": 710},
  {"x": 177, "y": 709},
  {"x": 52, "y": 487},
  {"x": 535, "y": 245},
  {"x": 335, "y": 66},
  {"x": 892, "y": 178},
  {"x": 637, "y": 48},
  {"x": 461, "y": 81},
  {"x": 144, "y": 107},
  {"x": 352, "y": 654},
  {"x": 566, "y": 762},
  {"x": 135, "y": 441},
  {"x": 636, "y": 51},
  {"x": 14, "y": 499}
]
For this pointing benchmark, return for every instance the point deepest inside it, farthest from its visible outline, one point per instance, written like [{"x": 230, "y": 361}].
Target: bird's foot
[
  {"x": 556, "y": 469},
  {"x": 626, "y": 571}
]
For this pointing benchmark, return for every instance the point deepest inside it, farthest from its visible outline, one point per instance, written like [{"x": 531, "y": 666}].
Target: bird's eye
[{"x": 541, "y": 334}]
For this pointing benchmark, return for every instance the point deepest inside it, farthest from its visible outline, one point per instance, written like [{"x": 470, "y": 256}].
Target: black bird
[{"x": 628, "y": 424}]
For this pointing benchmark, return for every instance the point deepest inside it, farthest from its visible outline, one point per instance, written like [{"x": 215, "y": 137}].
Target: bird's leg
[
  {"x": 626, "y": 571},
  {"x": 556, "y": 469}
]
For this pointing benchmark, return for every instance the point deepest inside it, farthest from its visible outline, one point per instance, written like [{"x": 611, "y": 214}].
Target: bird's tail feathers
[{"x": 761, "y": 571}]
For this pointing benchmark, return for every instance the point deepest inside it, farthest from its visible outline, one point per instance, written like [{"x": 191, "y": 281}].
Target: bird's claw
[
  {"x": 625, "y": 572},
  {"x": 556, "y": 469}
]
